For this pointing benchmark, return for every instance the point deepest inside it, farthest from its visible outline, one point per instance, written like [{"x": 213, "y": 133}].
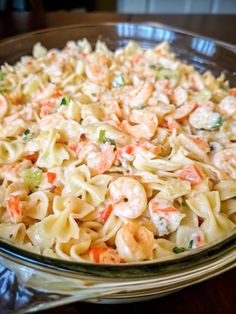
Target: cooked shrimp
[
  {"x": 179, "y": 96},
  {"x": 96, "y": 72},
  {"x": 203, "y": 118},
  {"x": 141, "y": 96},
  {"x": 51, "y": 121},
  {"x": 101, "y": 161},
  {"x": 183, "y": 111},
  {"x": 129, "y": 197},
  {"x": 15, "y": 116},
  {"x": 46, "y": 108},
  {"x": 135, "y": 242},
  {"x": 228, "y": 107},
  {"x": 226, "y": 160},
  {"x": 3, "y": 106},
  {"x": 83, "y": 149},
  {"x": 146, "y": 124},
  {"x": 104, "y": 255}
]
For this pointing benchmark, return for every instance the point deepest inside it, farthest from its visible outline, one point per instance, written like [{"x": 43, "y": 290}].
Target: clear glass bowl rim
[{"x": 187, "y": 261}]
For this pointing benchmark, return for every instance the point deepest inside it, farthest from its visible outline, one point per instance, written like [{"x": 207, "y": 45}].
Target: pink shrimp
[
  {"x": 97, "y": 72},
  {"x": 12, "y": 118},
  {"x": 52, "y": 121},
  {"x": 46, "y": 108},
  {"x": 102, "y": 161},
  {"x": 183, "y": 111},
  {"x": 146, "y": 124},
  {"x": 143, "y": 93}
]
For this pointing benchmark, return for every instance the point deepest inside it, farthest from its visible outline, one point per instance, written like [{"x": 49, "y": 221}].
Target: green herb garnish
[
  {"x": 152, "y": 66},
  {"x": 101, "y": 136},
  {"x": 103, "y": 139},
  {"x": 27, "y": 135},
  {"x": 190, "y": 244},
  {"x": 65, "y": 101},
  {"x": 118, "y": 81},
  {"x": 178, "y": 250}
]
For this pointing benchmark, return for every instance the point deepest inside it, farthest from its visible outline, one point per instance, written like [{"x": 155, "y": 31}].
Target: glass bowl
[{"x": 32, "y": 282}]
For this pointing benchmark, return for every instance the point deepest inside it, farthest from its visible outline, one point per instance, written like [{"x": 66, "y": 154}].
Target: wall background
[{"x": 177, "y": 6}]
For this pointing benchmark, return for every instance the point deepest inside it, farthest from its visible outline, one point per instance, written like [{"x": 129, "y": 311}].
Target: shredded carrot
[
  {"x": 129, "y": 149},
  {"x": 96, "y": 253},
  {"x": 104, "y": 214},
  {"x": 56, "y": 189},
  {"x": 191, "y": 174},
  {"x": 232, "y": 92},
  {"x": 32, "y": 157},
  {"x": 156, "y": 209},
  {"x": 57, "y": 93},
  {"x": 13, "y": 206},
  {"x": 51, "y": 177}
]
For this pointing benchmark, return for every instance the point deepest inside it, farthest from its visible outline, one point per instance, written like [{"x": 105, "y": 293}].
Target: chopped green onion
[
  {"x": 103, "y": 139},
  {"x": 33, "y": 178},
  {"x": 178, "y": 250},
  {"x": 94, "y": 94},
  {"x": 101, "y": 136},
  {"x": 190, "y": 244},
  {"x": 152, "y": 66},
  {"x": 65, "y": 101},
  {"x": 27, "y": 136},
  {"x": 118, "y": 81}
]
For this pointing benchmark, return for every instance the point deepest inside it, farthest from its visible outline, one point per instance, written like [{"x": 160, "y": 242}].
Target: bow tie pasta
[
  {"x": 207, "y": 206},
  {"x": 114, "y": 156}
]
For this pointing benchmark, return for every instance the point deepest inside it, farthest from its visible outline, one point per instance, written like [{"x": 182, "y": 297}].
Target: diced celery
[
  {"x": 65, "y": 101},
  {"x": 217, "y": 123}
]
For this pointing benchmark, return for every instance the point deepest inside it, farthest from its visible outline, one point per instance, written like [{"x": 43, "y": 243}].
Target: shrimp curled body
[
  {"x": 226, "y": 160},
  {"x": 145, "y": 124},
  {"x": 135, "y": 242},
  {"x": 128, "y": 188}
]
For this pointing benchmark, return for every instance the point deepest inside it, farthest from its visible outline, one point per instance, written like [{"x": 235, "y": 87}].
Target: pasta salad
[{"x": 114, "y": 157}]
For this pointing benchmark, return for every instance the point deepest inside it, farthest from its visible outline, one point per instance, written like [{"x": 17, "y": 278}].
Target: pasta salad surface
[{"x": 114, "y": 157}]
